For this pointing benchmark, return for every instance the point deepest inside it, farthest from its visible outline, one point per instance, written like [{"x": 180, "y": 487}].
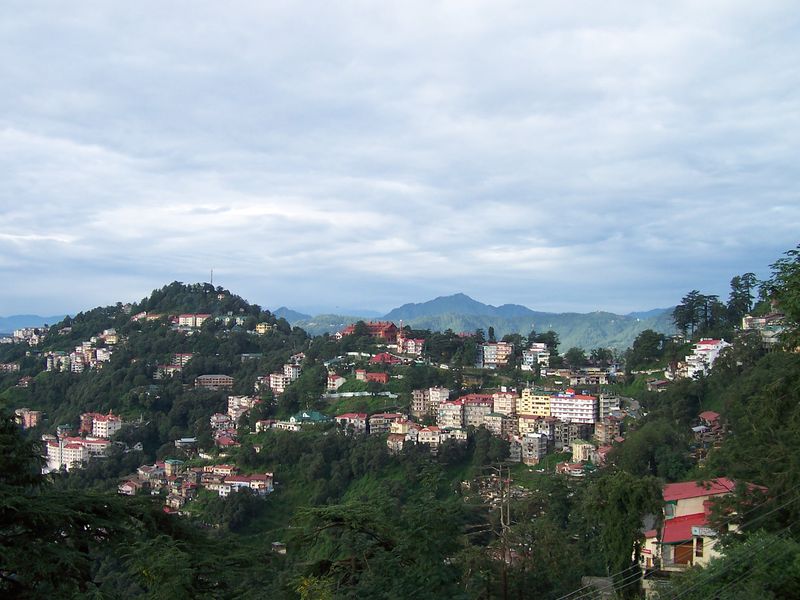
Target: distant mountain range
[
  {"x": 9, "y": 324},
  {"x": 460, "y": 313}
]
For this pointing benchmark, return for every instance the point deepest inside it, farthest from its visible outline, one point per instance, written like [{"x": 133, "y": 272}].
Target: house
[
  {"x": 192, "y": 320},
  {"x": 355, "y": 422},
  {"x": 409, "y": 345},
  {"x": 395, "y": 442},
  {"x": 769, "y": 327},
  {"x": 382, "y": 378},
  {"x": 384, "y": 358},
  {"x": 537, "y": 355},
  {"x": 380, "y": 422},
  {"x": 685, "y": 538},
  {"x": 129, "y": 487},
  {"x": 334, "y": 382},
  {"x": 571, "y": 469}
]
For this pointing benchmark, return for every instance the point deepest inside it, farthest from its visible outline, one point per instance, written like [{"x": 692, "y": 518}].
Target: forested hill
[{"x": 460, "y": 313}]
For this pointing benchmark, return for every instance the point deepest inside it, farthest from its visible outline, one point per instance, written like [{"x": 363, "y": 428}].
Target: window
[{"x": 698, "y": 547}]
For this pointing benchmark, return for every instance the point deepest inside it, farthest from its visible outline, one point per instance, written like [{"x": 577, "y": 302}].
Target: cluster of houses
[
  {"x": 769, "y": 327},
  {"x": 28, "y": 335},
  {"x": 535, "y": 422},
  {"x": 89, "y": 354},
  {"x": 180, "y": 484},
  {"x": 68, "y": 451},
  {"x": 225, "y": 426}
]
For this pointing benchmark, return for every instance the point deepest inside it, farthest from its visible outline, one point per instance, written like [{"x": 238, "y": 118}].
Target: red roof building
[{"x": 381, "y": 330}]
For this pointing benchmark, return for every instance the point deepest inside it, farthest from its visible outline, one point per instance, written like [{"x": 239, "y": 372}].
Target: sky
[{"x": 326, "y": 156}]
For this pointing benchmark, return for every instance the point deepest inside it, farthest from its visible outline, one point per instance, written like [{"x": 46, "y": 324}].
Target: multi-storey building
[
  {"x": 381, "y": 422},
  {"x": 214, "y": 382},
  {"x": 426, "y": 402},
  {"x": 28, "y": 418},
  {"x": 451, "y": 414},
  {"x": 703, "y": 356},
  {"x": 505, "y": 403},
  {"x": 537, "y": 355},
  {"x": 574, "y": 408},
  {"x": 534, "y": 447},
  {"x": 476, "y": 407},
  {"x": 495, "y": 354},
  {"x": 534, "y": 402}
]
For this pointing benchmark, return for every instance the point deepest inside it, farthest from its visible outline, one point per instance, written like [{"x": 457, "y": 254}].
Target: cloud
[{"x": 556, "y": 156}]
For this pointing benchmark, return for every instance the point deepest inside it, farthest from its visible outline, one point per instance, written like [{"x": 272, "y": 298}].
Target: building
[
  {"x": 769, "y": 327},
  {"x": 606, "y": 429},
  {"x": 192, "y": 320},
  {"x": 100, "y": 425},
  {"x": 537, "y": 355},
  {"x": 703, "y": 356},
  {"x": 28, "y": 418},
  {"x": 426, "y": 402},
  {"x": 686, "y": 538},
  {"x": 581, "y": 451},
  {"x": 385, "y": 331},
  {"x": 505, "y": 403},
  {"x": 451, "y": 414},
  {"x": 278, "y": 382},
  {"x": 352, "y": 422},
  {"x": 214, "y": 382},
  {"x": 476, "y": 407},
  {"x": 498, "y": 424},
  {"x": 408, "y": 345},
  {"x": 534, "y": 447},
  {"x": 381, "y": 422},
  {"x": 495, "y": 354},
  {"x": 382, "y": 378},
  {"x": 334, "y": 382},
  {"x": 534, "y": 402},
  {"x": 607, "y": 406},
  {"x": 384, "y": 358},
  {"x": 264, "y": 328},
  {"x": 574, "y": 408}
]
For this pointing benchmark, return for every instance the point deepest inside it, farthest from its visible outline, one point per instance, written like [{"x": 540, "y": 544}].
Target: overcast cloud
[{"x": 565, "y": 156}]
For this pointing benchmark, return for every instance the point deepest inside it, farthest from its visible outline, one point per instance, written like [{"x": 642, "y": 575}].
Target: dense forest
[{"x": 358, "y": 522}]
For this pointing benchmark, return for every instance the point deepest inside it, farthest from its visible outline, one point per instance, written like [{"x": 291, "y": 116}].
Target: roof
[
  {"x": 709, "y": 415},
  {"x": 679, "y": 529},
  {"x": 691, "y": 489},
  {"x": 361, "y": 416}
]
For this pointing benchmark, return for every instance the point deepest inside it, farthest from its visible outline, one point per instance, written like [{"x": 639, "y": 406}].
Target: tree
[
  {"x": 646, "y": 350},
  {"x": 602, "y": 357},
  {"x": 576, "y": 357},
  {"x": 740, "y": 301},
  {"x": 686, "y": 315},
  {"x": 492, "y": 337},
  {"x": 783, "y": 287}
]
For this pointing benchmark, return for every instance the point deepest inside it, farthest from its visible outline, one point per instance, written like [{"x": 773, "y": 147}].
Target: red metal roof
[
  {"x": 679, "y": 529},
  {"x": 691, "y": 489}
]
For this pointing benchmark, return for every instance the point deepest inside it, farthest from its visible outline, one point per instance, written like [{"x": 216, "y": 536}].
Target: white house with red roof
[
  {"x": 572, "y": 407},
  {"x": 358, "y": 422},
  {"x": 686, "y": 537}
]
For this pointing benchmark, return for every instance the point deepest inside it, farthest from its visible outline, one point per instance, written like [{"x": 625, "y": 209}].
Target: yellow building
[{"x": 534, "y": 403}]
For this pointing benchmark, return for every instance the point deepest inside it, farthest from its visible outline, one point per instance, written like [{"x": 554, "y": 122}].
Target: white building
[
  {"x": 574, "y": 408},
  {"x": 703, "y": 356},
  {"x": 538, "y": 354}
]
